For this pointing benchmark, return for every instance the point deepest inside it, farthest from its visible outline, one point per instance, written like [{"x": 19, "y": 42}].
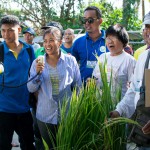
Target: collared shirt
[
  {"x": 127, "y": 105},
  {"x": 68, "y": 75},
  {"x": 139, "y": 51},
  {"x": 39, "y": 51},
  {"x": 84, "y": 49},
  {"x": 68, "y": 50},
  {"x": 15, "y": 100}
]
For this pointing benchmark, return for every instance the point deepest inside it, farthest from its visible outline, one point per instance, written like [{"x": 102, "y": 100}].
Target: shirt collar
[
  {"x": 102, "y": 36},
  {"x": 42, "y": 49},
  {"x": 6, "y": 49},
  {"x": 62, "y": 55}
]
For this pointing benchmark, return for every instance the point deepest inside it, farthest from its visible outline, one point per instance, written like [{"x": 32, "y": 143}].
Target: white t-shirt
[
  {"x": 120, "y": 67},
  {"x": 35, "y": 46}
]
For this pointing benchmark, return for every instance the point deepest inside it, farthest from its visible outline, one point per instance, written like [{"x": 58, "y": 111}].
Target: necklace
[{"x": 96, "y": 50}]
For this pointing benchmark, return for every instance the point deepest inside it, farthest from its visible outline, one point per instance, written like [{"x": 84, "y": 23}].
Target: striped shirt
[{"x": 50, "y": 91}]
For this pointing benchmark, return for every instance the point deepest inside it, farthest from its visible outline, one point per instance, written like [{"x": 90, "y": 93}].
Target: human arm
[
  {"x": 146, "y": 128},
  {"x": 75, "y": 50},
  {"x": 36, "y": 70}
]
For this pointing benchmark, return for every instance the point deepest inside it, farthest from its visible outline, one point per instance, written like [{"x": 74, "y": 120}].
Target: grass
[{"x": 86, "y": 124}]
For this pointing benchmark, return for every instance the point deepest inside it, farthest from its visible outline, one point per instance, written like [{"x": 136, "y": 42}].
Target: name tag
[{"x": 91, "y": 64}]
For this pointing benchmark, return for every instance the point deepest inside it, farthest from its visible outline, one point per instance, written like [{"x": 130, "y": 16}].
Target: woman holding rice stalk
[
  {"x": 119, "y": 64},
  {"x": 56, "y": 77}
]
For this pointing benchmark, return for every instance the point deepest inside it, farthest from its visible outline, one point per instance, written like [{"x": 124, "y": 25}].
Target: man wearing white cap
[{"x": 126, "y": 107}]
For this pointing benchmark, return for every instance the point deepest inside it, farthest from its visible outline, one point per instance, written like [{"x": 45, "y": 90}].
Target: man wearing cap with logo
[
  {"x": 126, "y": 107},
  {"x": 41, "y": 50},
  {"x": 146, "y": 37},
  {"x": 29, "y": 35},
  {"x": 92, "y": 43}
]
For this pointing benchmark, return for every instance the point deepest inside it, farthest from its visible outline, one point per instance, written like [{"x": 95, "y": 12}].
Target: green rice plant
[{"x": 86, "y": 124}]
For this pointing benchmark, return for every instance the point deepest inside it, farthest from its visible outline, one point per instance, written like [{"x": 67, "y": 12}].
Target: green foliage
[
  {"x": 113, "y": 15},
  {"x": 86, "y": 124},
  {"x": 40, "y": 12},
  {"x": 130, "y": 15}
]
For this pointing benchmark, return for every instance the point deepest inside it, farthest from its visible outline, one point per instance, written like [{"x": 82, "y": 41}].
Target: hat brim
[
  {"x": 146, "y": 22},
  {"x": 28, "y": 32},
  {"x": 46, "y": 27}
]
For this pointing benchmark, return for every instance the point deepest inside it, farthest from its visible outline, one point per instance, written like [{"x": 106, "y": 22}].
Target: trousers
[{"x": 22, "y": 124}]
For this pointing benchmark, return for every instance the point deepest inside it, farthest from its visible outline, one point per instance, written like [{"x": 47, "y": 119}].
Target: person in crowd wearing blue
[
  {"x": 14, "y": 108},
  {"x": 92, "y": 43},
  {"x": 56, "y": 77},
  {"x": 68, "y": 40},
  {"x": 29, "y": 35}
]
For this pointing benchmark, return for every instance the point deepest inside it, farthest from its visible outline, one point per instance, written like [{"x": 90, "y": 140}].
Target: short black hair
[
  {"x": 120, "y": 32},
  {"x": 55, "y": 32},
  {"x": 97, "y": 10},
  {"x": 10, "y": 19},
  {"x": 53, "y": 24}
]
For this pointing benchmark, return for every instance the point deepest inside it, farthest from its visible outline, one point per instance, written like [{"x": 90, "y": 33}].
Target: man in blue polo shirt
[
  {"x": 92, "y": 43},
  {"x": 15, "y": 112}
]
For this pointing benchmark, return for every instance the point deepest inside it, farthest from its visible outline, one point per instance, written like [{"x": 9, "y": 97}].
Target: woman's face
[
  {"x": 51, "y": 44},
  {"x": 114, "y": 45}
]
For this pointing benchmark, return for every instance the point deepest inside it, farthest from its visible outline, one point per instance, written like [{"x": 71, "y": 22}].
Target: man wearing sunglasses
[{"x": 92, "y": 43}]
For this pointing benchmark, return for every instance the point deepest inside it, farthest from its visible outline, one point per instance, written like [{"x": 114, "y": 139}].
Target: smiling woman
[{"x": 57, "y": 76}]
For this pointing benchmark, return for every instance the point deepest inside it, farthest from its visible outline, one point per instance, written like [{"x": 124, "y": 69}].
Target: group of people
[{"x": 65, "y": 66}]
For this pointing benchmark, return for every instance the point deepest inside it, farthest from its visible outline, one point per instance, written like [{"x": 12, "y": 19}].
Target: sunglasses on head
[{"x": 89, "y": 20}]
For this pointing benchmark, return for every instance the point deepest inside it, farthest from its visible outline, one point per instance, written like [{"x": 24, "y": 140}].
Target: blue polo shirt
[
  {"x": 85, "y": 49},
  {"x": 68, "y": 50},
  {"x": 15, "y": 100}
]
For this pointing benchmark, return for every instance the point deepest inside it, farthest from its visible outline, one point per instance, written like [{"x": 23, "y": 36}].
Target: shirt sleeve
[
  {"x": 126, "y": 106},
  {"x": 77, "y": 76},
  {"x": 75, "y": 50},
  {"x": 35, "y": 78},
  {"x": 131, "y": 69}
]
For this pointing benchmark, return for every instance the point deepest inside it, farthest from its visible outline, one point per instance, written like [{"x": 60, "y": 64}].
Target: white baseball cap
[{"x": 146, "y": 19}]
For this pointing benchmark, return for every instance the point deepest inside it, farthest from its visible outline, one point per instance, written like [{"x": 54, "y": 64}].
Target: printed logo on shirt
[{"x": 102, "y": 49}]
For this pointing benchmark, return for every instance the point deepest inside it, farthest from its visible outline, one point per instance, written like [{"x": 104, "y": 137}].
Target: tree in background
[
  {"x": 130, "y": 14},
  {"x": 68, "y": 12}
]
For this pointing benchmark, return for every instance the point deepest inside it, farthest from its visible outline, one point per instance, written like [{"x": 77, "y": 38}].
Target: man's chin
[
  {"x": 89, "y": 31},
  {"x": 8, "y": 41}
]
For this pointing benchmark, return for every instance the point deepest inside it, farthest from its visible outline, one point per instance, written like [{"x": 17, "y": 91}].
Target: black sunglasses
[{"x": 89, "y": 20}]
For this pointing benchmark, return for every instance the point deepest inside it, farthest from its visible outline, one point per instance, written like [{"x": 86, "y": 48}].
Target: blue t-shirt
[
  {"x": 85, "y": 50},
  {"x": 68, "y": 50}
]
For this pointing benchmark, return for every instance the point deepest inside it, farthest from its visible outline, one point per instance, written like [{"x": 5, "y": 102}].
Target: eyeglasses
[
  {"x": 67, "y": 33},
  {"x": 111, "y": 39},
  {"x": 89, "y": 20}
]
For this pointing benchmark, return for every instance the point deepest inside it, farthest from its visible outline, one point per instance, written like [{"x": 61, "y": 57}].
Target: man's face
[
  {"x": 68, "y": 36},
  {"x": 91, "y": 22},
  {"x": 10, "y": 32},
  {"x": 146, "y": 34},
  {"x": 28, "y": 38}
]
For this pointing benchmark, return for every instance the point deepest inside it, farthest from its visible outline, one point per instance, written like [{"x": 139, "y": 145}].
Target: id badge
[{"x": 91, "y": 64}]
